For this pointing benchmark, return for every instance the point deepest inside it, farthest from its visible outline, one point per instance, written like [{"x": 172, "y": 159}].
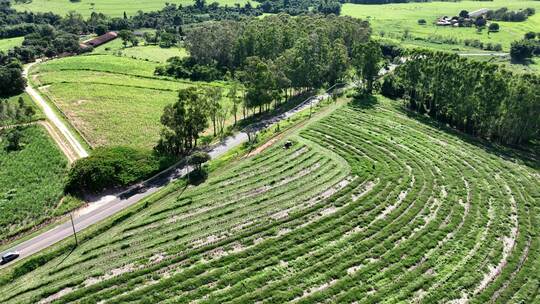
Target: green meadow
[
  {"x": 111, "y": 100},
  {"x": 113, "y": 8},
  {"x": 145, "y": 52},
  {"x": 9, "y": 43},
  {"x": 394, "y": 20}
]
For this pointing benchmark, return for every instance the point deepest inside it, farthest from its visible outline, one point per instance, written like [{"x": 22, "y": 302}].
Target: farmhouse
[{"x": 101, "y": 39}]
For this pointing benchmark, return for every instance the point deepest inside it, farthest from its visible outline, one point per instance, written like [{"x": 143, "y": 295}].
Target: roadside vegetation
[{"x": 371, "y": 193}]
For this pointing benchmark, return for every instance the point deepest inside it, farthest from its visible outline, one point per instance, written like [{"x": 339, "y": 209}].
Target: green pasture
[
  {"x": 152, "y": 53},
  {"x": 393, "y": 20},
  {"x": 111, "y": 100},
  {"x": 113, "y": 8},
  {"x": 9, "y": 43},
  {"x": 371, "y": 204}
]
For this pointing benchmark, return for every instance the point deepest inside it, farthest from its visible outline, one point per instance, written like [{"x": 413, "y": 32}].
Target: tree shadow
[
  {"x": 364, "y": 102},
  {"x": 197, "y": 177}
]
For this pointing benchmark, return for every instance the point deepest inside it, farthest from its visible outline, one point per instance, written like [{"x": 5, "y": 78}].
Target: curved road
[
  {"x": 110, "y": 205},
  {"x": 54, "y": 119}
]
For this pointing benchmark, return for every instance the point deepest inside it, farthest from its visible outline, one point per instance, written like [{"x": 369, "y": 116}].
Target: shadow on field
[
  {"x": 528, "y": 154},
  {"x": 364, "y": 102}
]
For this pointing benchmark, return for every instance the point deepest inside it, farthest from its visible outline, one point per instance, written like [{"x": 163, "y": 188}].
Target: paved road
[
  {"x": 107, "y": 206},
  {"x": 54, "y": 119}
]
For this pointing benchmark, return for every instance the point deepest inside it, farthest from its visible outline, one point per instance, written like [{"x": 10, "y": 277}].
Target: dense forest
[{"x": 476, "y": 97}]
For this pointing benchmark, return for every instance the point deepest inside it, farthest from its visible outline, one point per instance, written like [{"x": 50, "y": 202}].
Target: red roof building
[{"x": 101, "y": 39}]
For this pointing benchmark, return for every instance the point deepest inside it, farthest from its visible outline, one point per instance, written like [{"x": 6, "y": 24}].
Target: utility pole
[{"x": 74, "y": 232}]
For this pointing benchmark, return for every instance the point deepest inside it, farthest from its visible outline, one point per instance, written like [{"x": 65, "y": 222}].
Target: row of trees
[
  {"x": 476, "y": 97},
  {"x": 504, "y": 14}
]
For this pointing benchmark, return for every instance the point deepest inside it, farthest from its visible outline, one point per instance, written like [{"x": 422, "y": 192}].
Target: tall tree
[
  {"x": 183, "y": 122},
  {"x": 366, "y": 59}
]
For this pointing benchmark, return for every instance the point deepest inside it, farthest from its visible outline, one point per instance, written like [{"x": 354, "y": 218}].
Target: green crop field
[
  {"x": 9, "y": 43},
  {"x": 111, "y": 100},
  {"x": 113, "y": 8},
  {"x": 370, "y": 205},
  {"x": 395, "y": 19},
  {"x": 145, "y": 52},
  {"x": 31, "y": 182}
]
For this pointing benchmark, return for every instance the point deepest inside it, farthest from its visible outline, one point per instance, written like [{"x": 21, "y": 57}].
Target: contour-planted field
[
  {"x": 111, "y": 100},
  {"x": 112, "y": 8},
  {"x": 31, "y": 181},
  {"x": 394, "y": 20},
  {"x": 368, "y": 206}
]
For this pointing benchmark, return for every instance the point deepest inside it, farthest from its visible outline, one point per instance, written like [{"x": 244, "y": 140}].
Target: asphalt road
[{"x": 107, "y": 206}]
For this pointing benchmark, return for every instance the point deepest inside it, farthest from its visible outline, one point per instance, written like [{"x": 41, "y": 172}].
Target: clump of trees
[
  {"x": 13, "y": 138},
  {"x": 183, "y": 123},
  {"x": 503, "y": 14},
  {"x": 525, "y": 49},
  {"x": 478, "y": 98},
  {"x": 11, "y": 80},
  {"x": 15, "y": 112},
  {"x": 113, "y": 167},
  {"x": 276, "y": 55}
]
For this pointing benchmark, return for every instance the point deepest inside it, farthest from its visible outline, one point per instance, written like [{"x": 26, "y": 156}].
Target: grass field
[
  {"x": 145, "y": 52},
  {"x": 113, "y": 8},
  {"x": 111, "y": 100},
  {"x": 31, "y": 182},
  {"x": 370, "y": 205},
  {"x": 9, "y": 43},
  {"x": 395, "y": 19}
]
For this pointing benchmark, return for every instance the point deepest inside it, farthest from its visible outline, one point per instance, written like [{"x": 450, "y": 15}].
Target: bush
[
  {"x": 493, "y": 27},
  {"x": 113, "y": 167},
  {"x": 422, "y": 21}
]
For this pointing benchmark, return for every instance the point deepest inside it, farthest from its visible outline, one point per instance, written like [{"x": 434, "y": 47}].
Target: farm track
[
  {"x": 69, "y": 144},
  {"x": 368, "y": 206}
]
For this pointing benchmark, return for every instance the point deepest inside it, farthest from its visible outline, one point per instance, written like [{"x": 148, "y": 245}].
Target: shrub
[
  {"x": 113, "y": 167},
  {"x": 422, "y": 21},
  {"x": 493, "y": 27}
]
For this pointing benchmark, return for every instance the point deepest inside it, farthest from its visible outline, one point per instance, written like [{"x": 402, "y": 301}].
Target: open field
[
  {"x": 370, "y": 205},
  {"x": 113, "y": 8},
  {"x": 531, "y": 67},
  {"x": 31, "y": 182},
  {"x": 9, "y": 43},
  {"x": 395, "y": 19},
  {"x": 111, "y": 100},
  {"x": 145, "y": 52}
]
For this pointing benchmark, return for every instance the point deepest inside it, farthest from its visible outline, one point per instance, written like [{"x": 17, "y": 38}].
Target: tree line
[{"x": 478, "y": 98}]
